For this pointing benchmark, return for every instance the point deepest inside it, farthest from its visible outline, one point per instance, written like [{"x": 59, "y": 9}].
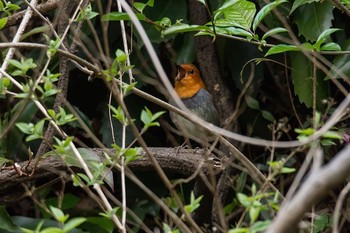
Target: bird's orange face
[{"x": 188, "y": 81}]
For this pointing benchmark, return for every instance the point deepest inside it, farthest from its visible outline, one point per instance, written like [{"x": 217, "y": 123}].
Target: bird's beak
[{"x": 181, "y": 73}]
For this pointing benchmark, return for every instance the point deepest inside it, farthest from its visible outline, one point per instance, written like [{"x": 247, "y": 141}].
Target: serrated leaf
[
  {"x": 313, "y": 19},
  {"x": 239, "y": 13},
  {"x": 302, "y": 77},
  {"x": 265, "y": 11}
]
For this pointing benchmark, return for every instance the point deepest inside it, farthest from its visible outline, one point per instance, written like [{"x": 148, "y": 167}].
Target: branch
[
  {"x": 42, "y": 8},
  {"x": 183, "y": 162},
  {"x": 316, "y": 186}
]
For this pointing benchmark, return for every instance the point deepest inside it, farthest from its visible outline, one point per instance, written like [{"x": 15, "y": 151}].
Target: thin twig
[{"x": 20, "y": 30}]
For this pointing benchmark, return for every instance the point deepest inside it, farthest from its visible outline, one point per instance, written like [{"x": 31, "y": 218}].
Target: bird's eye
[{"x": 191, "y": 71}]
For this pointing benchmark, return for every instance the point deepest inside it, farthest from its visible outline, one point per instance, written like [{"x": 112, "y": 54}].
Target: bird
[{"x": 193, "y": 93}]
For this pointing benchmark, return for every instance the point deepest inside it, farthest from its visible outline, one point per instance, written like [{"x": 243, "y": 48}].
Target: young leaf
[
  {"x": 281, "y": 49},
  {"x": 3, "y": 22},
  {"x": 58, "y": 214},
  {"x": 265, "y": 11},
  {"x": 73, "y": 223},
  {"x": 326, "y": 33},
  {"x": 331, "y": 46},
  {"x": 274, "y": 31},
  {"x": 179, "y": 28}
]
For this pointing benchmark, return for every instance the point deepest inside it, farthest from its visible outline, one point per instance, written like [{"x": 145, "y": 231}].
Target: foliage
[{"x": 299, "y": 56}]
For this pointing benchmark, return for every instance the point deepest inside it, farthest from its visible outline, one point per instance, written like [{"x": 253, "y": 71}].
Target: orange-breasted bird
[{"x": 191, "y": 90}]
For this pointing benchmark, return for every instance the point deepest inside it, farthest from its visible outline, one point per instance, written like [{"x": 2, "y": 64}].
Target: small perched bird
[{"x": 191, "y": 90}]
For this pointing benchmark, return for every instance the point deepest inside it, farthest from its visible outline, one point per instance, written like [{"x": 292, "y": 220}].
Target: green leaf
[
  {"x": 239, "y": 13},
  {"x": 239, "y": 230},
  {"x": 265, "y": 11},
  {"x": 287, "y": 170},
  {"x": 326, "y": 33},
  {"x": 139, "y": 6},
  {"x": 148, "y": 118},
  {"x": 118, "y": 114},
  {"x": 260, "y": 226},
  {"x": 3, "y": 22},
  {"x": 127, "y": 88},
  {"x": 121, "y": 56},
  {"x": 73, "y": 223},
  {"x": 252, "y": 103},
  {"x": 313, "y": 19},
  {"x": 26, "y": 128},
  {"x": 103, "y": 223},
  {"x": 195, "y": 203},
  {"x": 302, "y": 77},
  {"x": 307, "y": 131},
  {"x": 52, "y": 230},
  {"x": 91, "y": 159},
  {"x": 281, "y": 49},
  {"x": 244, "y": 200},
  {"x": 298, "y": 3},
  {"x": 180, "y": 28},
  {"x": 331, "y": 46},
  {"x": 254, "y": 213},
  {"x": 268, "y": 115},
  {"x": 58, "y": 214},
  {"x": 273, "y": 32},
  {"x": 332, "y": 135},
  {"x": 342, "y": 63},
  {"x": 7, "y": 224},
  {"x": 117, "y": 16},
  {"x": 234, "y": 31},
  {"x": 132, "y": 154}
]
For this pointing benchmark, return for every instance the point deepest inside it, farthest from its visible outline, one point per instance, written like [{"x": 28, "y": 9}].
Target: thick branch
[
  {"x": 314, "y": 188},
  {"x": 183, "y": 162}
]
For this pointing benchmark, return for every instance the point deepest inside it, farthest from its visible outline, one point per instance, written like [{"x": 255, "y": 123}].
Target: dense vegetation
[{"x": 87, "y": 145}]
